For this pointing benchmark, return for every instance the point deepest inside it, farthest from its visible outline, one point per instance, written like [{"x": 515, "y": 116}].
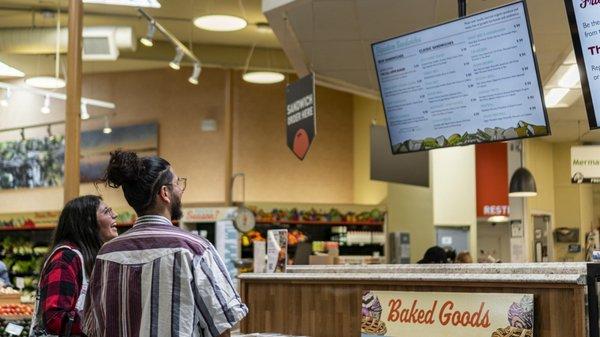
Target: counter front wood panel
[{"x": 332, "y": 309}]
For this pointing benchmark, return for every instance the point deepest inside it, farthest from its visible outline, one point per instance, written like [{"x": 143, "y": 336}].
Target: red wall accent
[{"x": 491, "y": 162}]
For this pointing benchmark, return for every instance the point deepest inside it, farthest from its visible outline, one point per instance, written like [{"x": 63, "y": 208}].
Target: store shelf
[
  {"x": 24, "y": 274},
  {"x": 36, "y": 228},
  {"x": 15, "y": 317},
  {"x": 51, "y": 227},
  {"x": 322, "y": 223}
]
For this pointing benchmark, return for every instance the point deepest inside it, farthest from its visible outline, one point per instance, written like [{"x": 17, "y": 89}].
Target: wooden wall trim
[{"x": 73, "y": 104}]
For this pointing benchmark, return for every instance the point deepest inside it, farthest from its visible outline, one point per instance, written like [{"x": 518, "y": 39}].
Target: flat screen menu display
[
  {"x": 584, "y": 22},
  {"x": 472, "y": 80}
]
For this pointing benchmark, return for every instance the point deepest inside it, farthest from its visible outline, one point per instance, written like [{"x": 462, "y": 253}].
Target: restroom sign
[{"x": 301, "y": 118}]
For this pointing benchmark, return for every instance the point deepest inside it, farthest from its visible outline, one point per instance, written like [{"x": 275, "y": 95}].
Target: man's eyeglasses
[{"x": 181, "y": 182}]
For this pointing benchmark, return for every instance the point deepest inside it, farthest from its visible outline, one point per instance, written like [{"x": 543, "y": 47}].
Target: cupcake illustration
[
  {"x": 371, "y": 306},
  {"x": 371, "y": 314},
  {"x": 520, "y": 319},
  {"x": 520, "y": 315}
]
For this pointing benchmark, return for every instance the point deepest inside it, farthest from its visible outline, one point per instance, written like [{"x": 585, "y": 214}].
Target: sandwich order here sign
[{"x": 401, "y": 314}]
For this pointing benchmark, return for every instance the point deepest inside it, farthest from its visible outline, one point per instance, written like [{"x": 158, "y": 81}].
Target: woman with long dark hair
[{"x": 85, "y": 224}]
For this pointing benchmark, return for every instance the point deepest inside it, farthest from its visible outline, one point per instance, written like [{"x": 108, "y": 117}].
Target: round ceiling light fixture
[
  {"x": 45, "y": 82},
  {"x": 220, "y": 23},
  {"x": 263, "y": 77}
]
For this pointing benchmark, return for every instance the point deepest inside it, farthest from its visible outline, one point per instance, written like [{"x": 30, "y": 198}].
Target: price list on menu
[
  {"x": 468, "y": 81},
  {"x": 584, "y": 19}
]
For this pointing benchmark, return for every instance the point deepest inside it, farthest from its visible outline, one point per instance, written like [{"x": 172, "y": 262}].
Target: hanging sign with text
[
  {"x": 585, "y": 164},
  {"x": 584, "y": 22},
  {"x": 400, "y": 314},
  {"x": 301, "y": 120}
]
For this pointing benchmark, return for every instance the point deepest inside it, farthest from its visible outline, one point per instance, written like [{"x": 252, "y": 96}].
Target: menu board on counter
[
  {"x": 472, "y": 80},
  {"x": 584, "y": 22}
]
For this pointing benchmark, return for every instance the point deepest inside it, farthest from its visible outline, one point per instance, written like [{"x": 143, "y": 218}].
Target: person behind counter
[
  {"x": 157, "y": 279},
  {"x": 464, "y": 257},
  {"x": 435, "y": 254},
  {"x": 84, "y": 225},
  {"x": 4, "y": 279}
]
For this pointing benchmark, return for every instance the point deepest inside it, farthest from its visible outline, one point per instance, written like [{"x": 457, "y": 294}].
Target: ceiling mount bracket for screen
[{"x": 462, "y": 8}]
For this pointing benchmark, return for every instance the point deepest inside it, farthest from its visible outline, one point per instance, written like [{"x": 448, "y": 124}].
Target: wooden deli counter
[{"x": 487, "y": 300}]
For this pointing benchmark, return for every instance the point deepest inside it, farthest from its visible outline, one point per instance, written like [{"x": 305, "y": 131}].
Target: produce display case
[{"x": 321, "y": 226}]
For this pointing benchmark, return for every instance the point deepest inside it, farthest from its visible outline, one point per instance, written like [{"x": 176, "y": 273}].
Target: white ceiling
[
  {"x": 175, "y": 15},
  {"x": 333, "y": 38},
  {"x": 221, "y": 49}
]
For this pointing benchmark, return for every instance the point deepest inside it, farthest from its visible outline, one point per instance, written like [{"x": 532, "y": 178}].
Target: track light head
[
  {"x": 107, "y": 129},
  {"x": 148, "y": 39},
  {"x": 4, "y": 101},
  {"x": 84, "y": 112},
  {"x": 195, "y": 74},
  {"x": 46, "y": 107},
  {"x": 176, "y": 63}
]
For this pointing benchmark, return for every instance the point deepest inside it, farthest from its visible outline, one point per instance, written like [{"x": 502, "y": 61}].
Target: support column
[
  {"x": 228, "y": 128},
  {"x": 72, "y": 119}
]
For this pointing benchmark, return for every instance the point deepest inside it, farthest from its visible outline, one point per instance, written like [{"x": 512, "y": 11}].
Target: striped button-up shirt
[{"x": 157, "y": 280}]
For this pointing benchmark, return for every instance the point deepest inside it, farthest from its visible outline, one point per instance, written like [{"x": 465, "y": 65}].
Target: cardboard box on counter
[{"x": 321, "y": 259}]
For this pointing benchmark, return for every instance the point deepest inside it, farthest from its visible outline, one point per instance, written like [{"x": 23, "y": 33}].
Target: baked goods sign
[{"x": 404, "y": 314}]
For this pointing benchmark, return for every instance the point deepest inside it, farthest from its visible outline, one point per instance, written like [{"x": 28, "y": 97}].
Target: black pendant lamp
[{"x": 522, "y": 184}]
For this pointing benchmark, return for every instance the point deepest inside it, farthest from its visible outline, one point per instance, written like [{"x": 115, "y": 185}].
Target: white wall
[{"x": 454, "y": 194}]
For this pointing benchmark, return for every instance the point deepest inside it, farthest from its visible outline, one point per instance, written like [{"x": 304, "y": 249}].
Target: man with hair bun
[{"x": 157, "y": 280}]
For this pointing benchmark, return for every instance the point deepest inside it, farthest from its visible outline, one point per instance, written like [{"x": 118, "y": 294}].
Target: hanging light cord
[
  {"x": 243, "y": 10},
  {"x": 57, "y": 57},
  {"x": 247, "y": 64}
]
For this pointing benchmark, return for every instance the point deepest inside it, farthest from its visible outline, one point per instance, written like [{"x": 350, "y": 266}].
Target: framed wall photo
[
  {"x": 96, "y": 147},
  {"x": 31, "y": 163}
]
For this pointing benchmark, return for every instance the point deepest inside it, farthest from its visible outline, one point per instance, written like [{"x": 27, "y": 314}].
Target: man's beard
[{"x": 176, "y": 212}]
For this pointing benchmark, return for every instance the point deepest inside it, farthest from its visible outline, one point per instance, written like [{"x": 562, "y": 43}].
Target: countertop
[{"x": 567, "y": 273}]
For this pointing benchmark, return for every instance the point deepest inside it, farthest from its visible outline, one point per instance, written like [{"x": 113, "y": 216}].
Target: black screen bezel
[
  {"x": 537, "y": 72},
  {"x": 585, "y": 85}
]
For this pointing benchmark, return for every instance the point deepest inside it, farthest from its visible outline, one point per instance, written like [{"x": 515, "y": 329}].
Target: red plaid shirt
[{"x": 59, "y": 289}]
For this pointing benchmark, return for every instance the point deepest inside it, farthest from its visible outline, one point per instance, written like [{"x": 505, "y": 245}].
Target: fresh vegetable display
[
  {"x": 25, "y": 323},
  {"x": 23, "y": 259},
  {"x": 16, "y": 310},
  {"x": 333, "y": 215}
]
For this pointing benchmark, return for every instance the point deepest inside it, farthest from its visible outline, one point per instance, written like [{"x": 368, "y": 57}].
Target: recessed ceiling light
[
  {"x": 133, "y": 3},
  {"x": 8, "y": 71},
  {"x": 220, "y": 23},
  {"x": 45, "y": 82},
  {"x": 264, "y": 27},
  {"x": 263, "y": 77},
  {"x": 498, "y": 218}
]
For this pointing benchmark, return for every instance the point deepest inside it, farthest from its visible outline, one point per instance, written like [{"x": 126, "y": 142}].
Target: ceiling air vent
[
  {"x": 98, "y": 48},
  {"x": 103, "y": 43}
]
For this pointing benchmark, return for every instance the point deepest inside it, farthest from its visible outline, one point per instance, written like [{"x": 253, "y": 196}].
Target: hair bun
[{"x": 123, "y": 167}]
